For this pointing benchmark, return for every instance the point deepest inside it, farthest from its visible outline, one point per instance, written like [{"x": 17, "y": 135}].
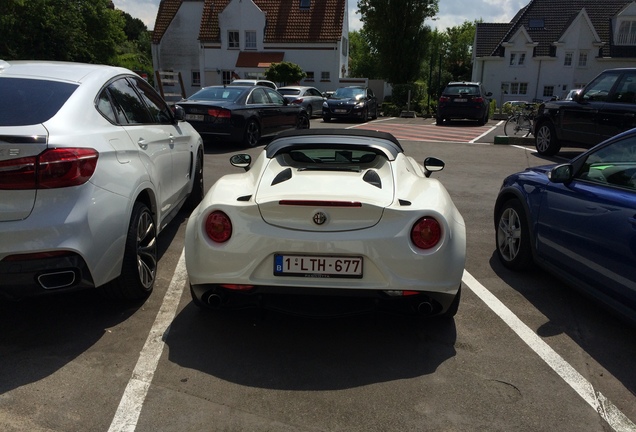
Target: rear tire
[
  {"x": 302, "y": 122},
  {"x": 517, "y": 127},
  {"x": 546, "y": 141},
  {"x": 252, "y": 134},
  {"x": 139, "y": 265}
]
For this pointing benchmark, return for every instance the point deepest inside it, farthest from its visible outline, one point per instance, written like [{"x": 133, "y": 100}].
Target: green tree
[
  {"x": 362, "y": 62},
  {"x": 397, "y": 34},
  {"x": 459, "y": 44},
  {"x": 71, "y": 30},
  {"x": 285, "y": 73},
  {"x": 135, "y": 53}
]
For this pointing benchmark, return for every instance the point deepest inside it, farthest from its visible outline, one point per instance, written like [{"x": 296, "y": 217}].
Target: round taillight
[
  {"x": 218, "y": 227},
  {"x": 426, "y": 233}
]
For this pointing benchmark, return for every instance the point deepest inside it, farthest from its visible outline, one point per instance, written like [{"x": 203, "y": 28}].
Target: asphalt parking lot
[{"x": 524, "y": 353}]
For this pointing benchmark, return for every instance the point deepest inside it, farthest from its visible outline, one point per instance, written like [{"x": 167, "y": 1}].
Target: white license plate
[
  {"x": 340, "y": 111},
  {"x": 194, "y": 117},
  {"x": 461, "y": 100},
  {"x": 318, "y": 266}
]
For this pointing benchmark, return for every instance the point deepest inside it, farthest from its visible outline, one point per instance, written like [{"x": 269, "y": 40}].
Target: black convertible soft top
[{"x": 380, "y": 142}]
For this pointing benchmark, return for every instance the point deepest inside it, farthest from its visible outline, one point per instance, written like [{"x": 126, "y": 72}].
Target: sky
[{"x": 451, "y": 12}]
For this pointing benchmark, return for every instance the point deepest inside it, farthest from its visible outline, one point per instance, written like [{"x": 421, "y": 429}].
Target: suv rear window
[
  {"x": 31, "y": 101},
  {"x": 461, "y": 89}
]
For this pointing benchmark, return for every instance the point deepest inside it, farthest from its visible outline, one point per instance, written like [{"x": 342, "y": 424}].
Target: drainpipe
[{"x": 536, "y": 91}]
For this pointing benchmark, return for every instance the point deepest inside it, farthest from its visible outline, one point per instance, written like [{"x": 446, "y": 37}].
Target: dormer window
[
  {"x": 536, "y": 23},
  {"x": 626, "y": 33},
  {"x": 305, "y": 4}
]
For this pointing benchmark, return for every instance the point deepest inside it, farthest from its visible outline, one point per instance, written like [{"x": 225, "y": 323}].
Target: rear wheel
[
  {"x": 302, "y": 122},
  {"x": 139, "y": 266},
  {"x": 546, "y": 141},
  {"x": 439, "y": 121},
  {"x": 513, "y": 236},
  {"x": 252, "y": 134},
  {"x": 326, "y": 119},
  {"x": 517, "y": 126},
  {"x": 310, "y": 111}
]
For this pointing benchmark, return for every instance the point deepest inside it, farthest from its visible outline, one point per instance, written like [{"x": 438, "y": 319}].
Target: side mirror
[
  {"x": 241, "y": 160},
  {"x": 432, "y": 164},
  {"x": 561, "y": 173},
  {"x": 179, "y": 112}
]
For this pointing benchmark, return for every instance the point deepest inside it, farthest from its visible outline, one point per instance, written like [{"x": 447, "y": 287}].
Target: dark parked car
[
  {"x": 577, "y": 220},
  {"x": 463, "y": 100},
  {"x": 354, "y": 102},
  {"x": 242, "y": 114},
  {"x": 604, "y": 108},
  {"x": 309, "y": 97}
]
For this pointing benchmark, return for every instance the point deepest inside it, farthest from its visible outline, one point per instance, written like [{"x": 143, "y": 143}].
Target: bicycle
[{"x": 521, "y": 122}]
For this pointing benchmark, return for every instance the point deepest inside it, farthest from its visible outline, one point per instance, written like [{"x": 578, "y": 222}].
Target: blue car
[{"x": 577, "y": 220}]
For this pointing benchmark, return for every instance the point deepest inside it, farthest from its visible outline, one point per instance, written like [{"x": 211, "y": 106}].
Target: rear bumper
[
  {"x": 321, "y": 302},
  {"x": 33, "y": 277}
]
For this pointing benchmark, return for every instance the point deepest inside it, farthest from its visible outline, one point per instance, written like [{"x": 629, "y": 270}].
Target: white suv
[{"x": 93, "y": 164}]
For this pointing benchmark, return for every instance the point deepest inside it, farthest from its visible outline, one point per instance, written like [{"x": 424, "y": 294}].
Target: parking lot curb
[{"x": 507, "y": 140}]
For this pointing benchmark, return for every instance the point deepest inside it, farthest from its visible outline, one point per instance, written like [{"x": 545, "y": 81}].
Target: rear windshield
[
  {"x": 289, "y": 92},
  {"x": 332, "y": 158},
  {"x": 31, "y": 101},
  {"x": 217, "y": 93},
  {"x": 461, "y": 89}
]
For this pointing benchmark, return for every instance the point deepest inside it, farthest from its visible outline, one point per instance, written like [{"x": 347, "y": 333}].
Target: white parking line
[
  {"x": 606, "y": 409},
  {"x": 134, "y": 396}
]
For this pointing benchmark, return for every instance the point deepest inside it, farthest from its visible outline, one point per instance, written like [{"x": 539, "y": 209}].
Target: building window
[
  {"x": 325, "y": 76},
  {"x": 345, "y": 47},
  {"x": 517, "y": 58},
  {"x": 227, "y": 77},
  {"x": 548, "y": 91},
  {"x": 250, "y": 39},
  {"x": 626, "y": 33},
  {"x": 196, "y": 79},
  {"x": 568, "y": 59},
  {"x": 305, "y": 4},
  {"x": 583, "y": 59},
  {"x": 514, "y": 88},
  {"x": 310, "y": 76},
  {"x": 233, "y": 39}
]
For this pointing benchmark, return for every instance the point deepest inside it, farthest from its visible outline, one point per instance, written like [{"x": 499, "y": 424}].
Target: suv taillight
[
  {"x": 53, "y": 168},
  {"x": 444, "y": 99}
]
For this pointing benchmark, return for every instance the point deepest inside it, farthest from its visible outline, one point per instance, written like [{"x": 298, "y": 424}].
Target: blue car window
[{"x": 613, "y": 165}]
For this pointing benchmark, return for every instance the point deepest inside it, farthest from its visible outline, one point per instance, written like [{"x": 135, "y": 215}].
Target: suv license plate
[
  {"x": 461, "y": 100},
  {"x": 318, "y": 266},
  {"x": 194, "y": 117}
]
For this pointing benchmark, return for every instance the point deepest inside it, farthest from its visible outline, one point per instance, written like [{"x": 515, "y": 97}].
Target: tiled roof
[
  {"x": 489, "y": 36},
  {"x": 167, "y": 10},
  {"x": 557, "y": 16},
  {"x": 258, "y": 59},
  {"x": 285, "y": 21}
]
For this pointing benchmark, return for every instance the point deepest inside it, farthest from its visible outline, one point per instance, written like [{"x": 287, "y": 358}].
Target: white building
[
  {"x": 214, "y": 41},
  {"x": 553, "y": 46}
]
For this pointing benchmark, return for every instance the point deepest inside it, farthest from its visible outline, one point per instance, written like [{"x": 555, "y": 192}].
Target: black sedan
[
  {"x": 358, "y": 103},
  {"x": 240, "y": 114}
]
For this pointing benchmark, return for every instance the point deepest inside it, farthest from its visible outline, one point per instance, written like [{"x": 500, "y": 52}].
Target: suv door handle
[{"x": 142, "y": 143}]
